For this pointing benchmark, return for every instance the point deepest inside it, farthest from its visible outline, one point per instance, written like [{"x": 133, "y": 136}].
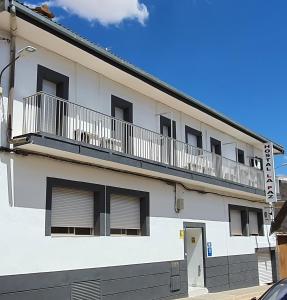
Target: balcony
[{"x": 43, "y": 113}]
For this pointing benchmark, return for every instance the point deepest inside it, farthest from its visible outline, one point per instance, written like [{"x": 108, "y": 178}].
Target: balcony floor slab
[{"x": 59, "y": 147}]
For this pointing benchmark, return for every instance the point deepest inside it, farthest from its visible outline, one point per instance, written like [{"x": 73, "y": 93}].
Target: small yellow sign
[{"x": 181, "y": 234}]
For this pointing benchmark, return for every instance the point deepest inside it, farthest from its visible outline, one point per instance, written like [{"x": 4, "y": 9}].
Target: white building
[{"x": 115, "y": 185}]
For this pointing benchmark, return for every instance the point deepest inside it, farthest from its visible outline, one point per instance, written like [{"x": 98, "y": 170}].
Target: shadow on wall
[
  {"x": 7, "y": 160},
  {"x": 27, "y": 188},
  {"x": 3, "y": 121},
  {"x": 22, "y": 182}
]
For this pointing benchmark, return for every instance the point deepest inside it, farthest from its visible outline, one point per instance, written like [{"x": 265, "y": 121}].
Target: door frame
[
  {"x": 202, "y": 226},
  {"x": 62, "y": 91}
]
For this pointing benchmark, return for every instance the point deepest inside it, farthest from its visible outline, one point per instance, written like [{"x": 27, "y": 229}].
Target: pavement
[{"x": 240, "y": 294}]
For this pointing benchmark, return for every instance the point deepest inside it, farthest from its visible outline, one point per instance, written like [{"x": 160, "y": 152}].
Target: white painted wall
[
  {"x": 93, "y": 90},
  {"x": 22, "y": 220}
]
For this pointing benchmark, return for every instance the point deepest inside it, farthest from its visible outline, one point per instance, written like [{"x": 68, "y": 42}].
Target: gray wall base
[
  {"x": 231, "y": 272},
  {"x": 164, "y": 280}
]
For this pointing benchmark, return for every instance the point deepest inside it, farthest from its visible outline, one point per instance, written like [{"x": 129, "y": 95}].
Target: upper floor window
[
  {"x": 119, "y": 113},
  {"x": 193, "y": 137},
  {"x": 215, "y": 146},
  {"x": 55, "y": 110},
  {"x": 49, "y": 87},
  {"x": 52, "y": 82},
  {"x": 167, "y": 127},
  {"x": 121, "y": 109},
  {"x": 240, "y": 156},
  {"x": 256, "y": 162}
]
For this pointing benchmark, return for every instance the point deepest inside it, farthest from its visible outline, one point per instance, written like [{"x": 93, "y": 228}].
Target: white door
[
  {"x": 165, "y": 130},
  {"x": 49, "y": 108},
  {"x": 194, "y": 253},
  {"x": 264, "y": 268},
  {"x": 192, "y": 140},
  {"x": 49, "y": 87},
  {"x": 119, "y": 113}
]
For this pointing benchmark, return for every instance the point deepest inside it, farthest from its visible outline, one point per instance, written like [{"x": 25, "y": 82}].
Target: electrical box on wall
[{"x": 179, "y": 205}]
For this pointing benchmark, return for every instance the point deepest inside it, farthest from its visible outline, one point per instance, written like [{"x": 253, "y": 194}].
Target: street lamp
[{"x": 20, "y": 53}]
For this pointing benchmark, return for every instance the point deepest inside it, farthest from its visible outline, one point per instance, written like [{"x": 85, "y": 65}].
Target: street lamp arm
[{"x": 6, "y": 67}]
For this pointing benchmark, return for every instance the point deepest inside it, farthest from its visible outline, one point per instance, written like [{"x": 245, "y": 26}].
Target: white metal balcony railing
[{"x": 53, "y": 115}]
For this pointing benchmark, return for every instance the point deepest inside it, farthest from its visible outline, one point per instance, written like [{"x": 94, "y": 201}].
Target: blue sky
[{"x": 229, "y": 54}]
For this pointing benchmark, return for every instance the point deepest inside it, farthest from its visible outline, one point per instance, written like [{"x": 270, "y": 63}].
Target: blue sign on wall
[{"x": 209, "y": 249}]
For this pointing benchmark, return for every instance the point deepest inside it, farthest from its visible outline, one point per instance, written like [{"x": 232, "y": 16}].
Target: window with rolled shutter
[
  {"x": 125, "y": 212},
  {"x": 235, "y": 222},
  {"x": 73, "y": 209},
  {"x": 253, "y": 223}
]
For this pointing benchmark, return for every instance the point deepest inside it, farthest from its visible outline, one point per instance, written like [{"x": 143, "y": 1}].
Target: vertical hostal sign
[{"x": 269, "y": 175}]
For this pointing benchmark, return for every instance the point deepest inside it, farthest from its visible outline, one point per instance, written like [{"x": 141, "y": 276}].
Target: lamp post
[{"x": 20, "y": 53}]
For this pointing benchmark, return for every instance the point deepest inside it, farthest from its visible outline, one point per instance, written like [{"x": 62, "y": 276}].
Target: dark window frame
[
  {"x": 164, "y": 121},
  {"x": 245, "y": 219},
  {"x": 240, "y": 154},
  {"x": 123, "y": 104},
  {"x": 144, "y": 208},
  {"x": 62, "y": 91},
  {"x": 260, "y": 220},
  {"x": 99, "y": 202},
  {"x": 197, "y": 133},
  {"x": 217, "y": 144},
  {"x": 252, "y": 162},
  {"x": 61, "y": 81}
]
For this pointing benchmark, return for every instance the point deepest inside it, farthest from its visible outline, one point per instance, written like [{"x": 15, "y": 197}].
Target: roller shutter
[
  {"x": 72, "y": 208},
  {"x": 264, "y": 268},
  {"x": 235, "y": 222},
  {"x": 253, "y": 223},
  {"x": 125, "y": 212}
]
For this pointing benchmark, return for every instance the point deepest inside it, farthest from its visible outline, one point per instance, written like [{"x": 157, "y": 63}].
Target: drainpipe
[{"x": 13, "y": 28}]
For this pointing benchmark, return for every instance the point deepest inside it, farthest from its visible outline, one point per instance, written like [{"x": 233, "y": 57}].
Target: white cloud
[
  {"x": 29, "y": 4},
  {"x": 104, "y": 11}
]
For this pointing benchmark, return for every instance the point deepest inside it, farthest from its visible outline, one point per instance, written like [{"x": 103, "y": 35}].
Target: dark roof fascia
[{"x": 27, "y": 14}]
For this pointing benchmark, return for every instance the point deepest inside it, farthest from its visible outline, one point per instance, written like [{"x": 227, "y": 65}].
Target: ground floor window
[
  {"x": 236, "y": 222},
  {"x": 115, "y": 231},
  {"x": 256, "y": 223},
  {"x": 72, "y": 211},
  {"x": 72, "y": 231},
  {"x": 125, "y": 214},
  {"x": 129, "y": 212},
  {"x": 84, "y": 209},
  {"x": 245, "y": 221}
]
